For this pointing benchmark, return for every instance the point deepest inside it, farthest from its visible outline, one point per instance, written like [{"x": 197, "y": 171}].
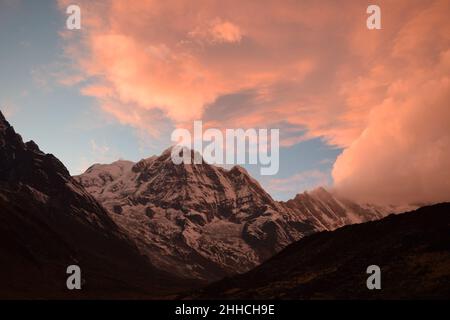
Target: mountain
[
  {"x": 329, "y": 211},
  {"x": 48, "y": 221},
  {"x": 412, "y": 251},
  {"x": 206, "y": 222}
]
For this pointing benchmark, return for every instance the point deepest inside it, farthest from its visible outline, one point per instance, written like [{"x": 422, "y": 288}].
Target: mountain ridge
[
  {"x": 208, "y": 222},
  {"x": 48, "y": 221},
  {"x": 152, "y": 228},
  {"x": 412, "y": 250}
]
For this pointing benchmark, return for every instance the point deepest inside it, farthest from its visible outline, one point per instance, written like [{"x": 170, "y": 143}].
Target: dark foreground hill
[
  {"x": 48, "y": 221},
  {"x": 412, "y": 250}
]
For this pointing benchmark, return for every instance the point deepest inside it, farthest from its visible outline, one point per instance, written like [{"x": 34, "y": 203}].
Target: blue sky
[{"x": 57, "y": 117}]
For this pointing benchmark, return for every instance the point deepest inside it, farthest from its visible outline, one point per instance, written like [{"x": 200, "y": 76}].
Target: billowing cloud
[
  {"x": 403, "y": 154},
  {"x": 181, "y": 57},
  {"x": 310, "y": 68}
]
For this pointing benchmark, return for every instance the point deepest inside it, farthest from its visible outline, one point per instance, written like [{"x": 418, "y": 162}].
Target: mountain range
[
  {"x": 205, "y": 222},
  {"x": 153, "y": 229}
]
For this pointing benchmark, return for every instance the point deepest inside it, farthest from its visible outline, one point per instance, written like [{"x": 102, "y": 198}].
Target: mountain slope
[
  {"x": 204, "y": 221},
  {"x": 330, "y": 211},
  {"x": 197, "y": 220},
  {"x": 48, "y": 221},
  {"x": 412, "y": 250}
]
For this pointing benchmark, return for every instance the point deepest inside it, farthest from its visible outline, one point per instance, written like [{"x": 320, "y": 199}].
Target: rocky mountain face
[
  {"x": 206, "y": 222},
  {"x": 328, "y": 211},
  {"x": 48, "y": 221},
  {"x": 412, "y": 251}
]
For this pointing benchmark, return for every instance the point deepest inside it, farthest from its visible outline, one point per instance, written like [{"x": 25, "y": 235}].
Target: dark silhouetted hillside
[{"x": 412, "y": 250}]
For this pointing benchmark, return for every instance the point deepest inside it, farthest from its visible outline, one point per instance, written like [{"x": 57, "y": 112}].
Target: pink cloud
[
  {"x": 311, "y": 68},
  {"x": 149, "y": 56},
  {"x": 217, "y": 31},
  {"x": 402, "y": 155}
]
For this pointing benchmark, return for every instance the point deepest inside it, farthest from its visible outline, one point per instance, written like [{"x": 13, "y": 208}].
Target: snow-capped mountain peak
[{"x": 204, "y": 221}]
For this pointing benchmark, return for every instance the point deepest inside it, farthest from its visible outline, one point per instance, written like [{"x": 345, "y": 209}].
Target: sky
[{"x": 365, "y": 112}]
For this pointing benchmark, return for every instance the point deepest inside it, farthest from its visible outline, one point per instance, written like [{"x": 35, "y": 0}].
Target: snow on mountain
[
  {"x": 203, "y": 221},
  {"x": 331, "y": 212}
]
